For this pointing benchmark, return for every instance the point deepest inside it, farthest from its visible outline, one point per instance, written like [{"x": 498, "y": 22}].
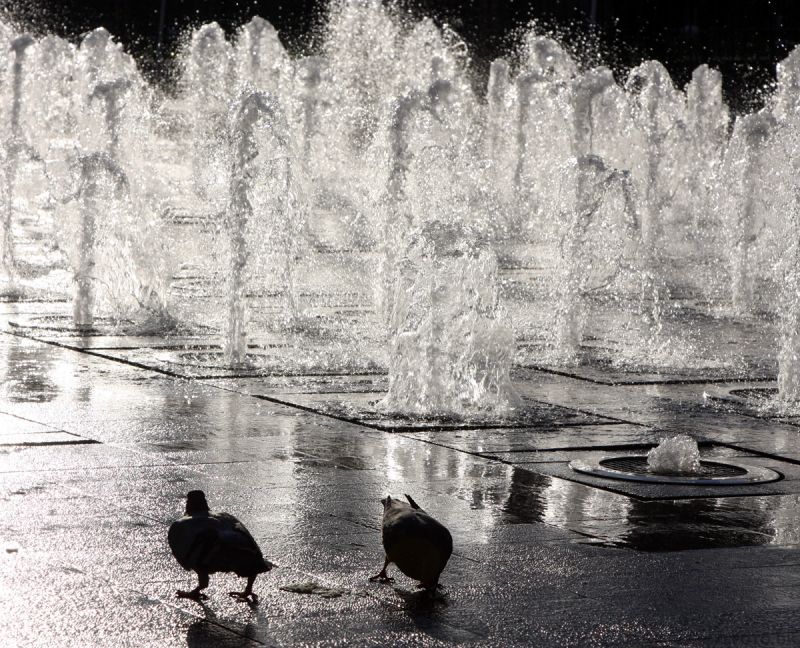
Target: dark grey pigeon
[
  {"x": 415, "y": 542},
  {"x": 207, "y": 543}
]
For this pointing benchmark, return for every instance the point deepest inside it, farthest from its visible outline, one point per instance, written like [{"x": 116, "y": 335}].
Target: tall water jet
[
  {"x": 360, "y": 47},
  {"x": 55, "y": 110},
  {"x": 789, "y": 352},
  {"x": 543, "y": 56},
  {"x": 14, "y": 146},
  {"x": 253, "y": 112},
  {"x": 787, "y": 96},
  {"x": 452, "y": 350},
  {"x": 397, "y": 216},
  {"x": 526, "y": 87},
  {"x": 261, "y": 59},
  {"x": 543, "y": 137},
  {"x": 111, "y": 94},
  {"x": 787, "y": 141},
  {"x": 451, "y": 342},
  {"x": 585, "y": 90},
  {"x": 746, "y": 158},
  {"x": 592, "y": 181},
  {"x": 309, "y": 71},
  {"x": 707, "y": 120},
  {"x": 208, "y": 84},
  {"x": 101, "y": 59},
  {"x": 658, "y": 109},
  {"x": 98, "y": 175},
  {"x": 497, "y": 116}
]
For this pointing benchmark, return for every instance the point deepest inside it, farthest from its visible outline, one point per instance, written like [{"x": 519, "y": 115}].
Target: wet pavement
[{"x": 100, "y": 439}]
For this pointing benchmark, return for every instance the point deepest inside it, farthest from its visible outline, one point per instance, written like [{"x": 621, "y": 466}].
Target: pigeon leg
[
  {"x": 197, "y": 593},
  {"x": 383, "y": 577},
  {"x": 248, "y": 591},
  {"x": 430, "y": 588}
]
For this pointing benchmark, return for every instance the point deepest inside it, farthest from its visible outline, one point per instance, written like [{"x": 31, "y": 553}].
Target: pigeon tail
[{"x": 411, "y": 501}]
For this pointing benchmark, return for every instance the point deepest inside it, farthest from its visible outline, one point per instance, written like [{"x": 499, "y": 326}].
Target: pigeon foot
[
  {"x": 381, "y": 578},
  {"x": 195, "y": 595}
]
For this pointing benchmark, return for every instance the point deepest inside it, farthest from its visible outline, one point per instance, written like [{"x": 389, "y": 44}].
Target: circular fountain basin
[
  {"x": 711, "y": 473},
  {"x": 754, "y": 394},
  {"x": 206, "y": 358},
  {"x": 66, "y": 324},
  {"x": 266, "y": 360}
]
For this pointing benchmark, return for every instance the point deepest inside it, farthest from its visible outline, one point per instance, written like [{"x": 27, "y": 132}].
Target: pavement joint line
[
  {"x": 351, "y": 420},
  {"x": 760, "y": 453},
  {"x": 34, "y": 444},
  {"x": 621, "y": 446},
  {"x": 23, "y": 418},
  {"x": 177, "y": 376},
  {"x": 650, "y": 383}
]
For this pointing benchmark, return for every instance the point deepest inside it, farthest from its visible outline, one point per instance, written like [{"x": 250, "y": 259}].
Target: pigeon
[
  {"x": 415, "y": 542},
  {"x": 207, "y": 543}
]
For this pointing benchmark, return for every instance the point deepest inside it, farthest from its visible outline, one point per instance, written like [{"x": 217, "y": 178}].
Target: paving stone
[{"x": 539, "y": 559}]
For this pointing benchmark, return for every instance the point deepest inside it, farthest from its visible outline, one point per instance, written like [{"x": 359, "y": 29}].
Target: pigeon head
[
  {"x": 196, "y": 502},
  {"x": 387, "y": 502}
]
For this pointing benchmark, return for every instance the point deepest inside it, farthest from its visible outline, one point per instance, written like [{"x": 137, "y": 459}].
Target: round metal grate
[
  {"x": 65, "y": 324},
  {"x": 711, "y": 473},
  {"x": 208, "y": 359},
  {"x": 638, "y": 466},
  {"x": 755, "y": 393}
]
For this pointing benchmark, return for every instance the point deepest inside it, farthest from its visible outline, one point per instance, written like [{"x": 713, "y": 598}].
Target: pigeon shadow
[
  {"x": 426, "y": 611},
  {"x": 215, "y": 631},
  {"x": 203, "y": 633},
  {"x": 421, "y": 601}
]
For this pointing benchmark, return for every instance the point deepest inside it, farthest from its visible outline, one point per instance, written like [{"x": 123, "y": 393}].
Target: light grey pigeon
[
  {"x": 207, "y": 543},
  {"x": 415, "y": 542}
]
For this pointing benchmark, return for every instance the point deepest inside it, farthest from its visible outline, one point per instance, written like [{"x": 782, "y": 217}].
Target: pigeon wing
[
  {"x": 192, "y": 541},
  {"x": 244, "y": 555}
]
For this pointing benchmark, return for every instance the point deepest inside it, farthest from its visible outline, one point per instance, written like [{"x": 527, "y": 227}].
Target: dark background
[{"x": 743, "y": 38}]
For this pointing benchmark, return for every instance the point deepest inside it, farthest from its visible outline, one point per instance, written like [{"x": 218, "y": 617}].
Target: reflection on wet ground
[{"x": 543, "y": 556}]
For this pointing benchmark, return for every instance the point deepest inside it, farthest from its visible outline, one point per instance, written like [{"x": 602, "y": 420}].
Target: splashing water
[
  {"x": 369, "y": 208},
  {"x": 678, "y": 454}
]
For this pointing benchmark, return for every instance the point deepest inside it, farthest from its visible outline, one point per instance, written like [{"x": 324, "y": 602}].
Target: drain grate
[
  {"x": 638, "y": 466},
  {"x": 209, "y": 359},
  {"x": 755, "y": 393},
  {"x": 711, "y": 473}
]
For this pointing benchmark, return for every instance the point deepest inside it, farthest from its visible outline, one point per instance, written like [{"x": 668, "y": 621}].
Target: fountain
[
  {"x": 14, "y": 149},
  {"x": 707, "y": 120},
  {"x": 678, "y": 454},
  {"x": 257, "y": 117},
  {"x": 111, "y": 94},
  {"x": 497, "y": 100},
  {"x": 98, "y": 176},
  {"x": 310, "y": 74},
  {"x": 592, "y": 182},
  {"x": 446, "y": 237},
  {"x": 208, "y": 86},
  {"x": 745, "y": 157},
  {"x": 261, "y": 60}
]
